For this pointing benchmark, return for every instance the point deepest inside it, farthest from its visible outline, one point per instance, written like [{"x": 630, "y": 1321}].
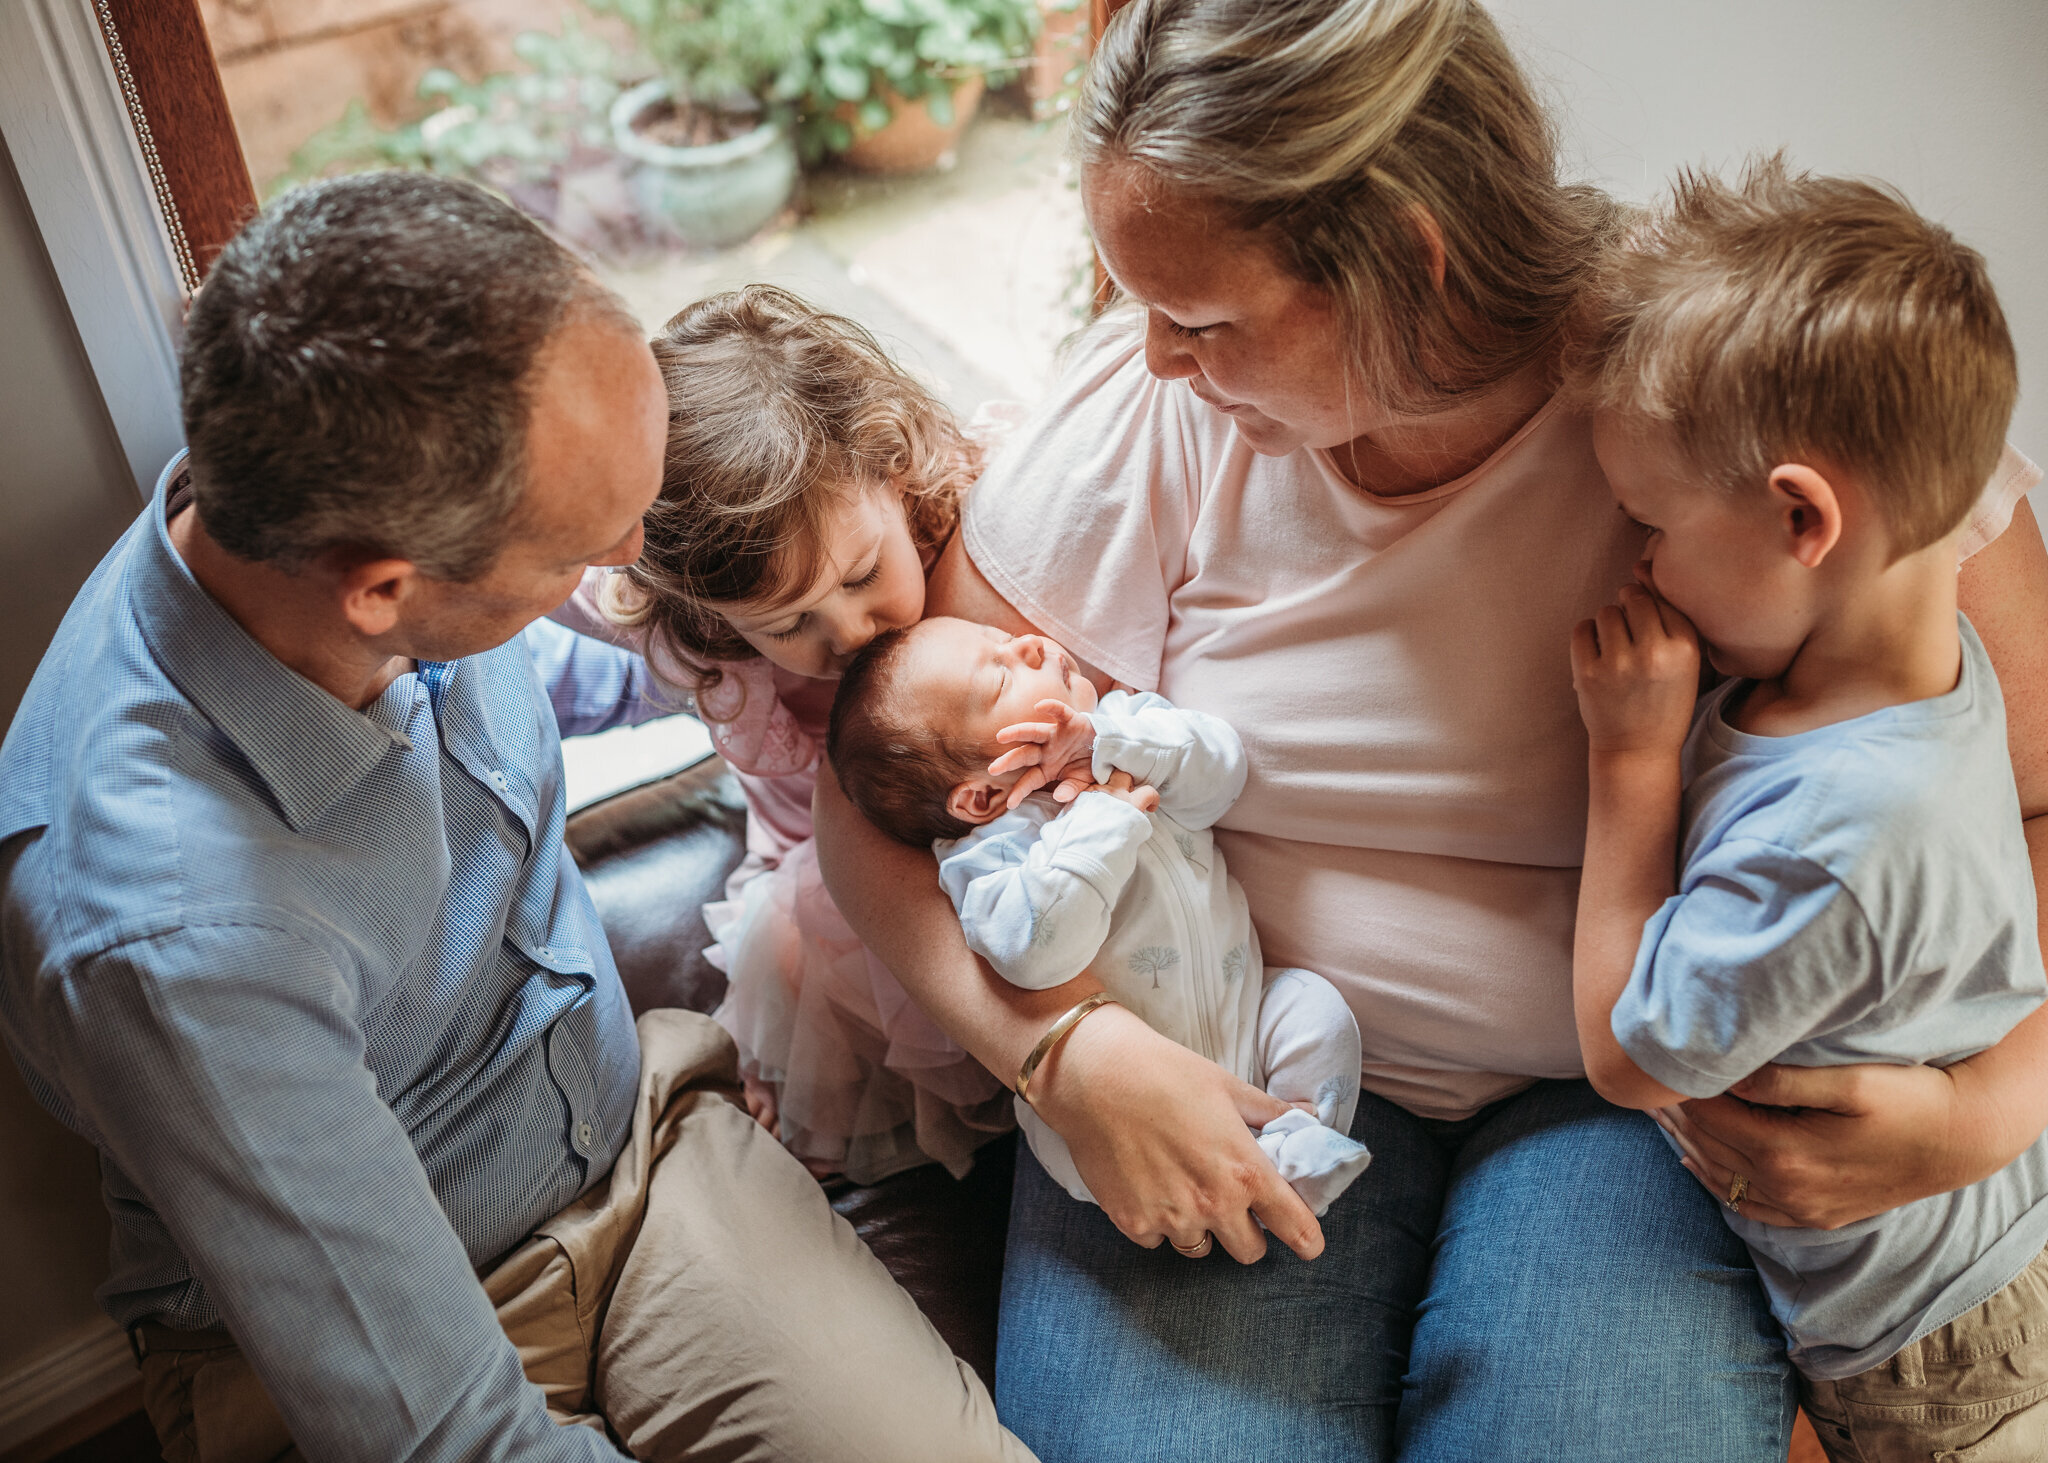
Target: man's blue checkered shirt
[{"x": 325, "y": 989}]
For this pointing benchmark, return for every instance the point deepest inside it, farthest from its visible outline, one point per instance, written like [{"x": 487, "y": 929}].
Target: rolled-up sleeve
[{"x": 2010, "y": 481}]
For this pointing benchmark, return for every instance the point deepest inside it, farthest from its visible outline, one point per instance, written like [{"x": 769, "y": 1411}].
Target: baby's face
[{"x": 970, "y": 681}]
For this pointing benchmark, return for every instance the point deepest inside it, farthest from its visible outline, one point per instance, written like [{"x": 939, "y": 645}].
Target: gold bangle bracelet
[{"x": 1054, "y": 1035}]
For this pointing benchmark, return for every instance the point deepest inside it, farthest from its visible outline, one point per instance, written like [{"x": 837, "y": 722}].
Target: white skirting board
[{"x": 80, "y": 1372}]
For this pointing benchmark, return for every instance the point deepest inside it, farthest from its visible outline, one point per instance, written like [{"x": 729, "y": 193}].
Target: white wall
[
  {"x": 65, "y": 495},
  {"x": 1949, "y": 101}
]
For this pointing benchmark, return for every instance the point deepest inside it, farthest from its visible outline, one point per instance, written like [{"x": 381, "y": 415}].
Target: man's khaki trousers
[{"x": 704, "y": 1300}]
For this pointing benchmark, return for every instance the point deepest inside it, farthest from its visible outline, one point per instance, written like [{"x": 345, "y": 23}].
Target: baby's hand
[
  {"x": 1636, "y": 667},
  {"x": 1058, "y": 749},
  {"x": 1121, "y": 786}
]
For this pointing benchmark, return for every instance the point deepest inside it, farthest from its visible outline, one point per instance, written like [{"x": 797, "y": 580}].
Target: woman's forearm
[
  {"x": 890, "y": 896},
  {"x": 1159, "y": 1133},
  {"x": 2002, "y": 1092}
]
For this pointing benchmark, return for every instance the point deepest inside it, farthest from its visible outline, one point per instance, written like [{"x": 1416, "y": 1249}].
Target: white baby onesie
[{"x": 1143, "y": 900}]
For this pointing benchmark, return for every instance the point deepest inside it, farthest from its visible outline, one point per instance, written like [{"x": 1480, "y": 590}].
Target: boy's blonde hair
[
  {"x": 1328, "y": 129},
  {"x": 776, "y": 411},
  {"x": 1787, "y": 315}
]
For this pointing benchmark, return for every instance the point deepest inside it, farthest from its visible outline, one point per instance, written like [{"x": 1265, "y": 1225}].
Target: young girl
[{"x": 810, "y": 485}]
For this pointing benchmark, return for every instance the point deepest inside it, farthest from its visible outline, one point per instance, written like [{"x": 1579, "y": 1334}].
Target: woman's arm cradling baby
[{"x": 1159, "y": 1133}]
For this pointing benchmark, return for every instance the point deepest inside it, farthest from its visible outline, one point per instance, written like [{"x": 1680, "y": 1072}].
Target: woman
[{"x": 1329, "y": 497}]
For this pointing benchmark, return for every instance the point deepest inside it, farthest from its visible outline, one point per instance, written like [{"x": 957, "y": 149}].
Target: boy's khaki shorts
[
  {"x": 1974, "y": 1391},
  {"x": 703, "y": 1300}
]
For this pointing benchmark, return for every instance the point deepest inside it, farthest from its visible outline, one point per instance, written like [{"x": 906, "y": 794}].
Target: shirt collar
[{"x": 309, "y": 749}]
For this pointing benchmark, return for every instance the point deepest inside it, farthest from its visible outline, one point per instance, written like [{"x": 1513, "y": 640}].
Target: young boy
[
  {"x": 938, "y": 734},
  {"x": 1800, "y": 387}
]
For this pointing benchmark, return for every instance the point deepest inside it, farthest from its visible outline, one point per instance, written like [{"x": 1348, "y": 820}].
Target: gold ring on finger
[
  {"x": 1198, "y": 1249},
  {"x": 1737, "y": 1188}
]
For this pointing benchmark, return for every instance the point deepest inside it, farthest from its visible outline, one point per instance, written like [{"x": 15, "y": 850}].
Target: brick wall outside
[{"x": 291, "y": 66}]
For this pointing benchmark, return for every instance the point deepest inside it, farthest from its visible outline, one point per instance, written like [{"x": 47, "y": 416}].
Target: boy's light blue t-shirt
[{"x": 1856, "y": 893}]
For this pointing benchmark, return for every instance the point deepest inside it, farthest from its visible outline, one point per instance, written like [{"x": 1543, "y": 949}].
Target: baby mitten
[{"x": 1318, "y": 1161}]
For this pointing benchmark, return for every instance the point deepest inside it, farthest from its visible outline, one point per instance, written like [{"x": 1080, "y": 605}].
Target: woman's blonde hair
[
  {"x": 776, "y": 412},
  {"x": 1339, "y": 132}
]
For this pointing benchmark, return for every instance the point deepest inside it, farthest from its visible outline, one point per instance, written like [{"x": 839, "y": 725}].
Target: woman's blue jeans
[{"x": 1540, "y": 1282}]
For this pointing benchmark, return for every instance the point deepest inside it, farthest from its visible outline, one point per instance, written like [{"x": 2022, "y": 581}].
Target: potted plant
[
  {"x": 893, "y": 83},
  {"x": 711, "y": 131},
  {"x": 541, "y": 136}
]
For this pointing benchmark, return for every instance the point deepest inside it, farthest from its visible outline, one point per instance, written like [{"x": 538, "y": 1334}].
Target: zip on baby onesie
[{"x": 1194, "y": 916}]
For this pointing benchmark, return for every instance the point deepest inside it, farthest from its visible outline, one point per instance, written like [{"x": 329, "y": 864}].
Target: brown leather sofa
[{"x": 652, "y": 856}]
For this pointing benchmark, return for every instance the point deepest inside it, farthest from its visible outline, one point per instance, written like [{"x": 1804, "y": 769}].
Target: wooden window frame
[
  {"x": 180, "y": 113},
  {"x": 109, "y": 221}
]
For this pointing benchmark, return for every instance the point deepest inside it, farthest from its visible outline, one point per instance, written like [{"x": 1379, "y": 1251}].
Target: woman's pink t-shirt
[{"x": 1399, "y": 670}]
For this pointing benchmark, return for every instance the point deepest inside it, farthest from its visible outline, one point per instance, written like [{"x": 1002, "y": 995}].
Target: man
[{"x": 287, "y": 928}]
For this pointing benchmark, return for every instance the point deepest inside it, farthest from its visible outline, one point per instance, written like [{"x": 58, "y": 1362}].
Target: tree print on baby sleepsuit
[{"x": 1152, "y": 959}]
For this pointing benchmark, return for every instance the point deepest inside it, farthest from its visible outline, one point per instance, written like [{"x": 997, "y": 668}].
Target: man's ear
[
  {"x": 1809, "y": 511},
  {"x": 373, "y": 593},
  {"x": 977, "y": 800}
]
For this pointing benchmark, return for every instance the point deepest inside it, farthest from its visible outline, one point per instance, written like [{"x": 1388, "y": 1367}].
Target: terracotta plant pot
[
  {"x": 714, "y": 195},
  {"x": 911, "y": 141},
  {"x": 1058, "y": 56}
]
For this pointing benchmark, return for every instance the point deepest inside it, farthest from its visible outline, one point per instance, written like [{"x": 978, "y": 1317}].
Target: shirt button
[
  {"x": 546, "y": 953},
  {"x": 586, "y": 1135},
  {"x": 498, "y": 780}
]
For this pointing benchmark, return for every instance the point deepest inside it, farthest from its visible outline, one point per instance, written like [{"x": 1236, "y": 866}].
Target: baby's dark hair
[{"x": 897, "y": 772}]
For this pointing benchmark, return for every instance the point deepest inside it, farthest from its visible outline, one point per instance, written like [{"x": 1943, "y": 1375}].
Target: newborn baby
[{"x": 939, "y": 734}]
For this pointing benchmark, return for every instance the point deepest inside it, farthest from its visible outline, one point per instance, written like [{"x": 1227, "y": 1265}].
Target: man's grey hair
[{"x": 355, "y": 372}]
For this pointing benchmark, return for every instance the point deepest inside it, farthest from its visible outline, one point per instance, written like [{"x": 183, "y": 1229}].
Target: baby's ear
[{"x": 976, "y": 800}]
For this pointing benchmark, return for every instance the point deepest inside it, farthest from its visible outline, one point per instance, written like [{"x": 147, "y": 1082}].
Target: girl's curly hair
[{"x": 776, "y": 411}]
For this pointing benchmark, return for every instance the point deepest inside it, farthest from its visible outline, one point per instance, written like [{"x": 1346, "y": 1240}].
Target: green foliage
[
  {"x": 516, "y": 131},
  {"x": 506, "y": 130},
  {"x": 718, "y": 51},
  {"x": 918, "y": 48}
]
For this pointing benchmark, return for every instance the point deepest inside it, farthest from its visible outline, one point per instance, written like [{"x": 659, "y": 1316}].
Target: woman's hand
[
  {"x": 1636, "y": 667},
  {"x": 1159, "y": 1133},
  {"x": 1823, "y": 1147},
  {"x": 1163, "y": 1138},
  {"x": 1056, "y": 750}
]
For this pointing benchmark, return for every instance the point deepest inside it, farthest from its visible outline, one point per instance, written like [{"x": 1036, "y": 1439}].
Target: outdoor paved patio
[{"x": 972, "y": 275}]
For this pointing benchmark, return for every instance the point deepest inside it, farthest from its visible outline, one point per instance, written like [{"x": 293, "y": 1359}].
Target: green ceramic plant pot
[{"x": 713, "y": 195}]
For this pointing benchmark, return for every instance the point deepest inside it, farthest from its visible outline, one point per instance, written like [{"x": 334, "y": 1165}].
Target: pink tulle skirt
[{"x": 868, "y": 1084}]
